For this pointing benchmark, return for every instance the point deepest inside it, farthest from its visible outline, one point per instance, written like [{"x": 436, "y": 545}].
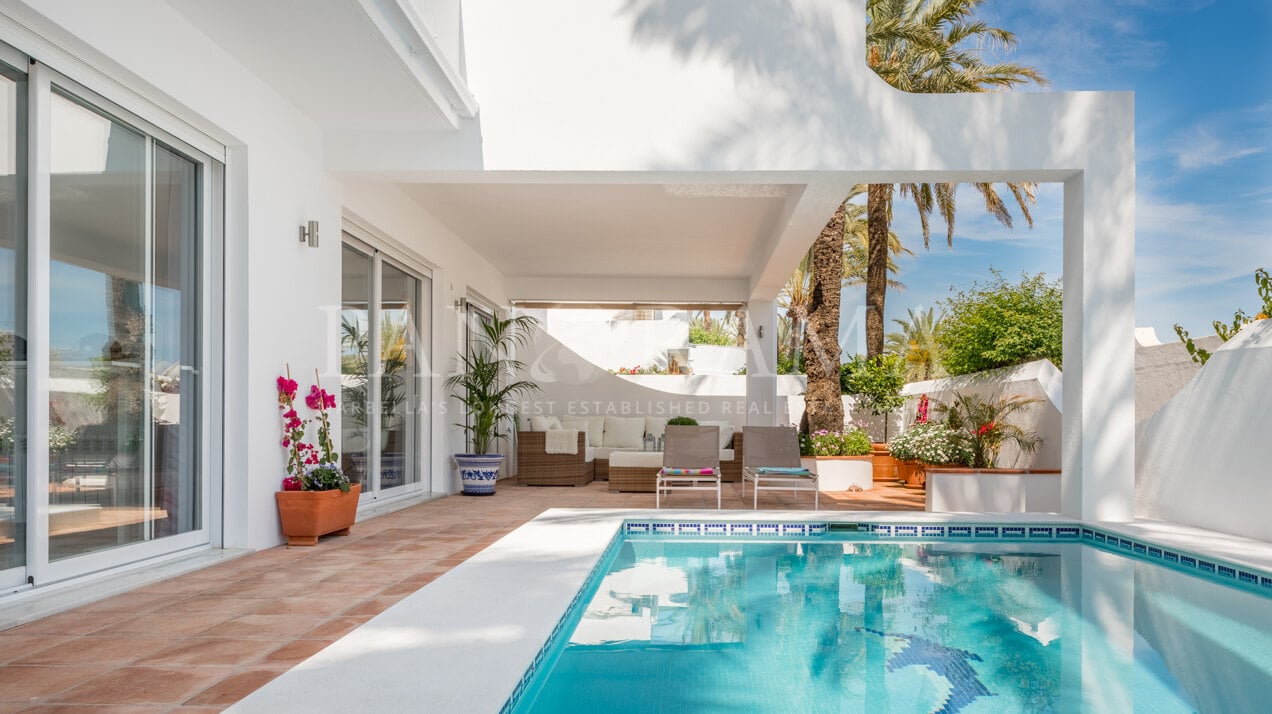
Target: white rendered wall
[
  {"x": 280, "y": 295},
  {"x": 1162, "y": 370},
  {"x": 1203, "y": 458},
  {"x": 610, "y": 343},
  {"x": 993, "y": 493}
]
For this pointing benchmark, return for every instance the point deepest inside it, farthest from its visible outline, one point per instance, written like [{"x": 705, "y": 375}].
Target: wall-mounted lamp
[
  {"x": 759, "y": 331},
  {"x": 309, "y": 233},
  {"x": 461, "y": 304}
]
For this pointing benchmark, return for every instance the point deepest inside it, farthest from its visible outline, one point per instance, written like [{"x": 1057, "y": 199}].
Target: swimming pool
[{"x": 828, "y": 621}]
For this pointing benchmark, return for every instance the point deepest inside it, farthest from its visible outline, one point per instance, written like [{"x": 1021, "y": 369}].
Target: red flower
[
  {"x": 287, "y": 386},
  {"x": 292, "y": 483},
  {"x": 985, "y": 429},
  {"x": 328, "y": 400}
]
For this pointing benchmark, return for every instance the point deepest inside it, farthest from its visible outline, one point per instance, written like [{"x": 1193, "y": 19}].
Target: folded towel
[
  {"x": 561, "y": 441},
  {"x": 793, "y": 470},
  {"x": 669, "y": 471}
]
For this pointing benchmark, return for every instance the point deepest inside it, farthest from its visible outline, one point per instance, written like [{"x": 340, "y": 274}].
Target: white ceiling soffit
[
  {"x": 542, "y": 230},
  {"x": 334, "y": 61}
]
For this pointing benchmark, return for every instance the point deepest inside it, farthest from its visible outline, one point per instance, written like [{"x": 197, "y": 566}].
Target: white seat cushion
[
  {"x": 589, "y": 453},
  {"x": 624, "y": 433},
  {"x": 636, "y": 459},
  {"x": 726, "y": 454},
  {"x": 594, "y": 426},
  {"x": 544, "y": 423}
]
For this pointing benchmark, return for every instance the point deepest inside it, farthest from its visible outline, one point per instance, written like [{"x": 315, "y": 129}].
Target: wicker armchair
[{"x": 536, "y": 467}]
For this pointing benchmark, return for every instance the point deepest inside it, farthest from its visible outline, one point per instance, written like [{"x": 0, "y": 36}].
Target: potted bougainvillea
[{"x": 316, "y": 499}]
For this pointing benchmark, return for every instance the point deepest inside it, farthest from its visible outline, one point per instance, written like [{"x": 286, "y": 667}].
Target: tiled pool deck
[{"x": 204, "y": 640}]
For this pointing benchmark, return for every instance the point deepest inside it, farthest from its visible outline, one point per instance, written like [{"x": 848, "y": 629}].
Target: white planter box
[{"x": 839, "y": 473}]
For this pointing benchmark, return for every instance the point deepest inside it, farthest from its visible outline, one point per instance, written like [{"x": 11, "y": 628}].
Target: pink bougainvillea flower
[{"x": 329, "y": 400}]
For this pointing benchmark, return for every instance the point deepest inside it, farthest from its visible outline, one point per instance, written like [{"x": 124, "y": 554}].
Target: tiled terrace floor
[{"x": 204, "y": 640}]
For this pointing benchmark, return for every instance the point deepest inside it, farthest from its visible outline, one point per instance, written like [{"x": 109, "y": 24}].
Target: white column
[
  {"x": 1098, "y": 447},
  {"x": 761, "y": 363}
]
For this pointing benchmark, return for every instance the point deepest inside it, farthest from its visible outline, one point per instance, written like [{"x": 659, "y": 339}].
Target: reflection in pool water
[{"x": 857, "y": 625}]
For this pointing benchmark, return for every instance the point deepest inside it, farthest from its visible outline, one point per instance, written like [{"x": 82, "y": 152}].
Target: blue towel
[{"x": 793, "y": 470}]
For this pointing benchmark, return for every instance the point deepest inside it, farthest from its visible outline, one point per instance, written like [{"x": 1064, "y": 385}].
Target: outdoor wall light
[
  {"x": 309, "y": 233},
  {"x": 759, "y": 331}
]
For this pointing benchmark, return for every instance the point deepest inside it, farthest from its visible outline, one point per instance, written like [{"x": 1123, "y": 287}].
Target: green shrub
[
  {"x": 682, "y": 421},
  {"x": 876, "y": 383},
  {"x": 714, "y": 335},
  {"x": 849, "y": 442},
  {"x": 999, "y": 324}
]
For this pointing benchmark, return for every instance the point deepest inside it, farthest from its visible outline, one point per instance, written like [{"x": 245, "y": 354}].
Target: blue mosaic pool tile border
[
  {"x": 559, "y": 629},
  {"x": 717, "y": 528},
  {"x": 1211, "y": 569}
]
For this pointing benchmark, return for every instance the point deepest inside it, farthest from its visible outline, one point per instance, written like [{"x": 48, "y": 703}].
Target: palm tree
[
  {"x": 794, "y": 300},
  {"x": 916, "y": 342},
  {"x": 933, "y": 46},
  {"x": 856, "y": 237},
  {"x": 927, "y": 46}
]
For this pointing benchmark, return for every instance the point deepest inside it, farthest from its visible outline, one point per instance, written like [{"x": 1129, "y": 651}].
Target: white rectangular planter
[{"x": 839, "y": 473}]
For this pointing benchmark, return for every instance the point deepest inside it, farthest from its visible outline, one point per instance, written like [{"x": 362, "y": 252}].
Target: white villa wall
[
  {"x": 280, "y": 295},
  {"x": 1039, "y": 380},
  {"x": 1203, "y": 458},
  {"x": 611, "y": 343}
]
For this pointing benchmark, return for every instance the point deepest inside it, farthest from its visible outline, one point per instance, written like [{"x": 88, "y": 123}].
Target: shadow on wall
[
  {"x": 810, "y": 88},
  {"x": 1202, "y": 459}
]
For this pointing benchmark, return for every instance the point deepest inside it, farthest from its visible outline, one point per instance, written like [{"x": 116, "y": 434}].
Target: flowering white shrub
[{"x": 931, "y": 443}]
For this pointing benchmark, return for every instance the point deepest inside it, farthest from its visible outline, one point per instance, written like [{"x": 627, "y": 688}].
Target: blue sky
[{"x": 1201, "y": 71}]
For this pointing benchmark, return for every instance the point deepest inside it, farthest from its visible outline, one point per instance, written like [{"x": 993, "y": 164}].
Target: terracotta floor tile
[
  {"x": 333, "y": 629},
  {"x": 135, "y": 602},
  {"x": 259, "y": 588},
  {"x": 218, "y": 604},
  {"x": 372, "y": 607},
  {"x": 233, "y": 688},
  {"x": 17, "y": 646},
  {"x": 25, "y": 683},
  {"x": 209, "y": 651},
  {"x": 296, "y": 651},
  {"x": 103, "y": 709},
  {"x": 174, "y": 624},
  {"x": 271, "y": 627},
  {"x": 320, "y": 606},
  {"x": 114, "y": 651},
  {"x": 73, "y": 622},
  {"x": 141, "y": 685}
]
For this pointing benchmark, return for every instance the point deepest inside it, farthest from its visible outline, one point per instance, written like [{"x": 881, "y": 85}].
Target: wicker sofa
[
  {"x": 640, "y": 478},
  {"x": 536, "y": 467}
]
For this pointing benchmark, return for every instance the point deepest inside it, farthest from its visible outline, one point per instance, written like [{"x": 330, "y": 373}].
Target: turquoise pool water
[{"x": 852, "y": 624}]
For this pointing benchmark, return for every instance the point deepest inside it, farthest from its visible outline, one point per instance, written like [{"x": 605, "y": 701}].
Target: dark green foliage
[
  {"x": 875, "y": 382},
  {"x": 682, "y": 421},
  {"x": 484, "y": 383},
  {"x": 999, "y": 324}
]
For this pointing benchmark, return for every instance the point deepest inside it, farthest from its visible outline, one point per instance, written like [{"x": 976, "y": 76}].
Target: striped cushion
[{"x": 669, "y": 471}]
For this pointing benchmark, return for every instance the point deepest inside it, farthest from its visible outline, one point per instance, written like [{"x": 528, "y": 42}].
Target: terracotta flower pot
[
  {"x": 309, "y": 514},
  {"x": 911, "y": 473},
  {"x": 885, "y": 467}
]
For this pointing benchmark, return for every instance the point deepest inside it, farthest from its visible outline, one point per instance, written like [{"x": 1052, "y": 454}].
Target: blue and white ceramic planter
[{"x": 477, "y": 473}]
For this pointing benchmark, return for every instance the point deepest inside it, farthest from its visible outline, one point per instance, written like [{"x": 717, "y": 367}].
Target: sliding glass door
[
  {"x": 104, "y": 266},
  {"x": 384, "y": 329}
]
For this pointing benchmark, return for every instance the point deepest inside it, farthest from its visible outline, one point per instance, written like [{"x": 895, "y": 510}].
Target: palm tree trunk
[
  {"x": 822, "y": 402},
  {"x": 741, "y": 315},
  {"x": 876, "y": 264}
]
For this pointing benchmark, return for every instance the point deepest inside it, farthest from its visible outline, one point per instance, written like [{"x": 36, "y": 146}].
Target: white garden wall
[
  {"x": 1037, "y": 380},
  {"x": 1203, "y": 458}
]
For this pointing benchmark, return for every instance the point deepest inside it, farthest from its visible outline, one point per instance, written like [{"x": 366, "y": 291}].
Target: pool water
[{"x": 853, "y": 624}]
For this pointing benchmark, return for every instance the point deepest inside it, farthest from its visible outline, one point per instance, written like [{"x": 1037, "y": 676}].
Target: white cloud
[{"x": 1199, "y": 147}]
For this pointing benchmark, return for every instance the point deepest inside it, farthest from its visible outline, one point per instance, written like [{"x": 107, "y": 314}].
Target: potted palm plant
[{"x": 486, "y": 385}]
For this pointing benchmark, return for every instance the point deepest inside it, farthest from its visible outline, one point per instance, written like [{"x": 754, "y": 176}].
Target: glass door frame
[
  {"x": 41, "y": 80},
  {"x": 365, "y": 242},
  {"x": 16, "y": 577}
]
